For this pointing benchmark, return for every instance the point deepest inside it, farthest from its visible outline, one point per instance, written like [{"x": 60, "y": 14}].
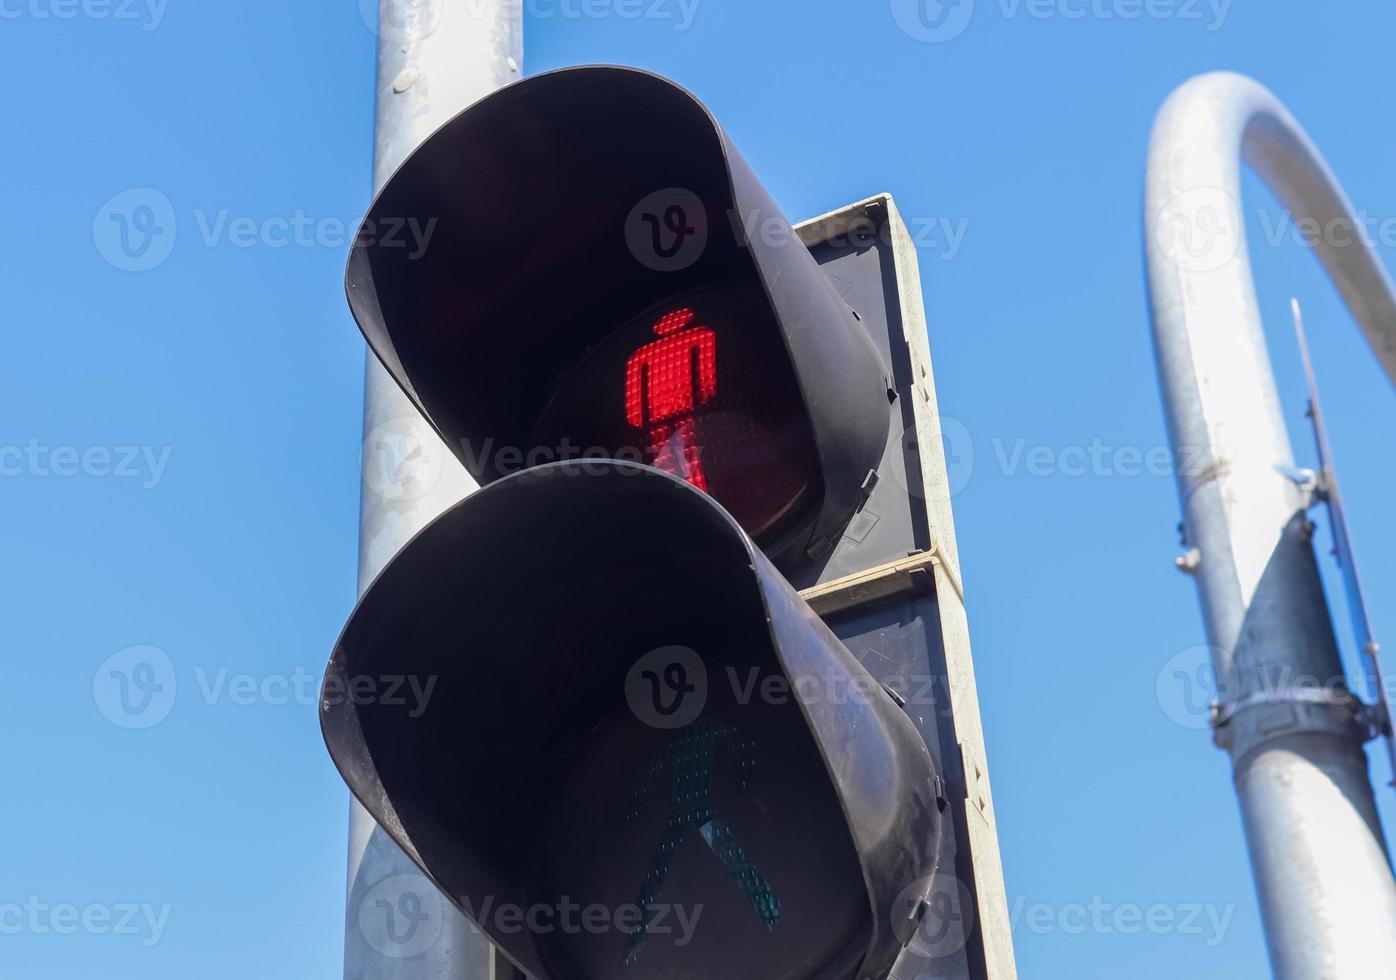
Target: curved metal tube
[{"x": 1319, "y": 857}]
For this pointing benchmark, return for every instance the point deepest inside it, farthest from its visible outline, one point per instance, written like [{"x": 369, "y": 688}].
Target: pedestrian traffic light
[
  {"x": 604, "y": 274},
  {"x": 668, "y": 741},
  {"x": 697, "y": 649}
]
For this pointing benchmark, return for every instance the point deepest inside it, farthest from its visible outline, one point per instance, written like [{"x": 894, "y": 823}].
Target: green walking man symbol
[{"x": 689, "y": 762}]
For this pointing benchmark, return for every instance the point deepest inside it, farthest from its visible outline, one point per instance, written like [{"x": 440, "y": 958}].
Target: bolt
[{"x": 1189, "y": 562}]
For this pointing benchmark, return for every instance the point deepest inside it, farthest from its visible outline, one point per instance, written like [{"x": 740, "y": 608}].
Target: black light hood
[
  {"x": 520, "y": 263},
  {"x": 461, "y": 783}
]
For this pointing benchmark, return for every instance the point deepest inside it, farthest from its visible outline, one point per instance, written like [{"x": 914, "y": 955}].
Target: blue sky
[{"x": 207, "y": 411}]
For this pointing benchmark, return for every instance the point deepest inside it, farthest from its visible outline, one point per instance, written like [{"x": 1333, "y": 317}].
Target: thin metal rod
[
  {"x": 1318, "y": 854},
  {"x": 1343, "y": 547},
  {"x": 435, "y": 58}
]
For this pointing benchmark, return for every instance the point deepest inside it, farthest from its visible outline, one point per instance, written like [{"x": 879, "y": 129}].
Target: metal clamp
[
  {"x": 1364, "y": 717},
  {"x": 1223, "y": 713}
]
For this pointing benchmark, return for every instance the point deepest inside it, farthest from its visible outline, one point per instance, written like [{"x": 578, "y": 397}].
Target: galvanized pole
[
  {"x": 435, "y": 57},
  {"x": 1294, "y": 732}
]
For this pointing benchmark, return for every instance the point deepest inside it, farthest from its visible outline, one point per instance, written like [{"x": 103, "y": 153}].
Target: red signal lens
[
  {"x": 667, "y": 383},
  {"x": 703, "y": 389}
]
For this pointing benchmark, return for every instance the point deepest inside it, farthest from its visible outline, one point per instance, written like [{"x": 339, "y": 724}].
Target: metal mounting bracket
[{"x": 894, "y": 578}]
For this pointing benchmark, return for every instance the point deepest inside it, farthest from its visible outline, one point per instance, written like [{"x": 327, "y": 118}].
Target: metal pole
[
  {"x": 1294, "y": 733},
  {"x": 435, "y": 57}
]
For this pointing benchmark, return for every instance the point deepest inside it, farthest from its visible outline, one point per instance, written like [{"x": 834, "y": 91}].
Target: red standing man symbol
[{"x": 666, "y": 382}]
